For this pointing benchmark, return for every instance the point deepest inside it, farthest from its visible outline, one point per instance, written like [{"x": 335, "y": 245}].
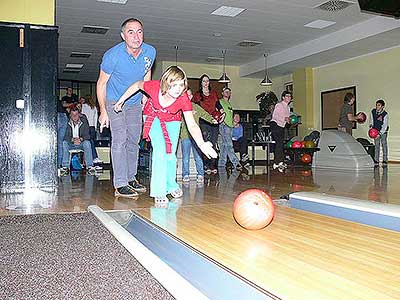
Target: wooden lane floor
[
  {"x": 76, "y": 193},
  {"x": 300, "y": 255}
]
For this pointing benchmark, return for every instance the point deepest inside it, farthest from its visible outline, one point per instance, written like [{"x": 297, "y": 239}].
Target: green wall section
[{"x": 38, "y": 12}]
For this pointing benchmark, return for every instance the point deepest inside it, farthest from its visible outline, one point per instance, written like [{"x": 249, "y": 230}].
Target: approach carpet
[{"x": 69, "y": 256}]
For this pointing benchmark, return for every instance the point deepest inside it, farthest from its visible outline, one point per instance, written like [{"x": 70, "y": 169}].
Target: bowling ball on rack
[
  {"x": 297, "y": 144},
  {"x": 289, "y": 144},
  {"x": 361, "y": 117},
  {"x": 218, "y": 116},
  {"x": 306, "y": 158},
  {"x": 309, "y": 144},
  {"x": 373, "y": 133},
  {"x": 253, "y": 209},
  {"x": 294, "y": 120}
]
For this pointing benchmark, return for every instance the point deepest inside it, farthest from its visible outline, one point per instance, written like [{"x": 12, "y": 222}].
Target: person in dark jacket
[
  {"x": 346, "y": 117},
  {"x": 77, "y": 137},
  {"x": 380, "y": 121}
]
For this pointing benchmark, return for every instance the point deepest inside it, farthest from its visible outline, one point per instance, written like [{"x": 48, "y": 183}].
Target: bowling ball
[
  {"x": 297, "y": 144},
  {"x": 294, "y": 120},
  {"x": 309, "y": 144},
  {"x": 253, "y": 209},
  {"x": 361, "y": 117},
  {"x": 218, "y": 116},
  {"x": 306, "y": 158},
  {"x": 373, "y": 133},
  {"x": 289, "y": 144}
]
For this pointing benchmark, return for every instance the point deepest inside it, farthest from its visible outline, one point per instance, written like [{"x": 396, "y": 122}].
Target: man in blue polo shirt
[{"x": 122, "y": 65}]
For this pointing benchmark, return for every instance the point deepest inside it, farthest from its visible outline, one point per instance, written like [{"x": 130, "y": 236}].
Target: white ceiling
[{"x": 188, "y": 24}]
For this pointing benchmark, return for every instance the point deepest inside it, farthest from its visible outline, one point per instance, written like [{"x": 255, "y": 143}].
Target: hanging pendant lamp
[
  {"x": 224, "y": 78},
  {"x": 266, "y": 81}
]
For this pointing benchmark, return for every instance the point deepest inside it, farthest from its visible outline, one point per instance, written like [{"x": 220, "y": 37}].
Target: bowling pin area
[{"x": 327, "y": 234}]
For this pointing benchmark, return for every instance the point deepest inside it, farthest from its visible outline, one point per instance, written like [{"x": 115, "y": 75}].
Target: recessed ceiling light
[
  {"x": 319, "y": 24},
  {"x": 217, "y": 34},
  {"x": 94, "y": 29},
  {"x": 73, "y": 66},
  {"x": 114, "y": 1},
  {"x": 248, "y": 43},
  {"x": 228, "y": 11},
  {"x": 80, "y": 54}
]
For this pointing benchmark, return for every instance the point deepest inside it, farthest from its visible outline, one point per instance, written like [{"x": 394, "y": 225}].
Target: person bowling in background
[
  {"x": 280, "y": 117},
  {"x": 380, "y": 121},
  {"x": 346, "y": 117}
]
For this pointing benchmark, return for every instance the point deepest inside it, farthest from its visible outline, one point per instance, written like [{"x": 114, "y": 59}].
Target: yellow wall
[
  {"x": 375, "y": 76},
  {"x": 303, "y": 102},
  {"x": 244, "y": 90},
  {"x": 38, "y": 12}
]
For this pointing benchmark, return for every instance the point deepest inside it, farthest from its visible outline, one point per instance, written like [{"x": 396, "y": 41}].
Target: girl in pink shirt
[
  {"x": 163, "y": 113},
  {"x": 280, "y": 117}
]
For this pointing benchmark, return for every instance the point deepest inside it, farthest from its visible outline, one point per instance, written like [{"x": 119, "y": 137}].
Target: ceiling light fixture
[
  {"x": 94, "y": 29},
  {"x": 266, "y": 81},
  {"x": 319, "y": 24},
  {"x": 80, "y": 54},
  {"x": 228, "y": 11},
  {"x": 114, "y": 1},
  {"x": 73, "y": 66},
  {"x": 224, "y": 78},
  {"x": 248, "y": 43}
]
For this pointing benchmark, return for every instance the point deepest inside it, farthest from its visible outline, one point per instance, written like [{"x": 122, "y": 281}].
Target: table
[{"x": 265, "y": 144}]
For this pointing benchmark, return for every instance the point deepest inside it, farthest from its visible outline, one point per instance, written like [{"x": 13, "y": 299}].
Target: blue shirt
[
  {"x": 124, "y": 70},
  {"x": 237, "y": 132}
]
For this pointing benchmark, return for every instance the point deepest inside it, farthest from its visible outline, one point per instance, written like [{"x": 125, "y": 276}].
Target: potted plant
[{"x": 265, "y": 100}]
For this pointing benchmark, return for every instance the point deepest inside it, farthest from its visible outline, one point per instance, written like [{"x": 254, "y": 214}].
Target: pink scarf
[{"x": 149, "y": 121}]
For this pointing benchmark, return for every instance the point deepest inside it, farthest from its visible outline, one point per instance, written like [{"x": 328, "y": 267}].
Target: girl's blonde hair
[
  {"x": 90, "y": 100},
  {"x": 173, "y": 73}
]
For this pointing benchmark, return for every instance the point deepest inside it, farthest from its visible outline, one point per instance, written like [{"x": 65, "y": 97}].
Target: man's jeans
[
  {"x": 187, "y": 145},
  {"x": 85, "y": 146},
  {"x": 226, "y": 147},
  {"x": 381, "y": 140},
  {"x": 62, "y": 123},
  {"x": 126, "y": 129}
]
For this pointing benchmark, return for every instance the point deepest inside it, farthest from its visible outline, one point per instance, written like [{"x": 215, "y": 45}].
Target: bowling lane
[{"x": 300, "y": 255}]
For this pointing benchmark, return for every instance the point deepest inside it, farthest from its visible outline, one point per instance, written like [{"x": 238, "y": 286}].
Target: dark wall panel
[
  {"x": 43, "y": 104},
  {"x": 11, "y": 118},
  {"x": 28, "y": 67}
]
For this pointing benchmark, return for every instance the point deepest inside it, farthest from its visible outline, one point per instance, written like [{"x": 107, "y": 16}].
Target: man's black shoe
[
  {"x": 125, "y": 191},
  {"x": 136, "y": 186}
]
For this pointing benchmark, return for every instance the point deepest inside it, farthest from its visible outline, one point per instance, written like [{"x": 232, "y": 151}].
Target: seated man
[
  {"x": 77, "y": 137},
  {"x": 239, "y": 141}
]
